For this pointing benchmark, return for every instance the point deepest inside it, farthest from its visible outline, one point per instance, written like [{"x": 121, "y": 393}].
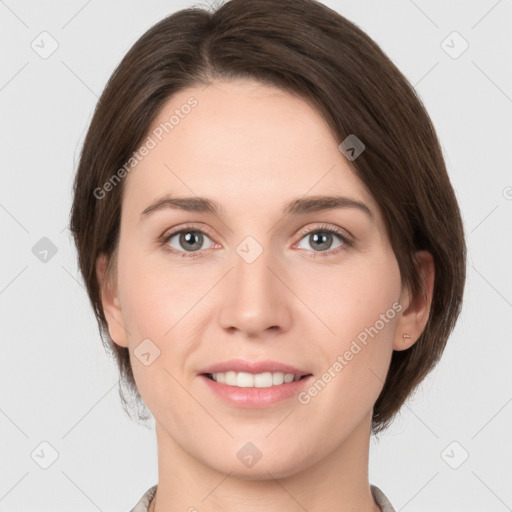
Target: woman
[{"x": 272, "y": 248}]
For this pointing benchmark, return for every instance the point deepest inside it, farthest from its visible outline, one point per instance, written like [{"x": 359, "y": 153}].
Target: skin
[{"x": 263, "y": 147}]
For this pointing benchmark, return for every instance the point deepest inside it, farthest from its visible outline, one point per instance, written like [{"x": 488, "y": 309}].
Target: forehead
[{"x": 241, "y": 143}]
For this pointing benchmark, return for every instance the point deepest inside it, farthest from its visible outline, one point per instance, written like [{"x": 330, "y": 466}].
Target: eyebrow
[{"x": 295, "y": 207}]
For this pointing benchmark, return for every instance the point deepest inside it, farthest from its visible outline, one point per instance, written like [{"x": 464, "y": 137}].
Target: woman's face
[{"x": 267, "y": 278}]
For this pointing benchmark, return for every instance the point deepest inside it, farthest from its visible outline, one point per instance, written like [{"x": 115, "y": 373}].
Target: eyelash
[{"x": 348, "y": 242}]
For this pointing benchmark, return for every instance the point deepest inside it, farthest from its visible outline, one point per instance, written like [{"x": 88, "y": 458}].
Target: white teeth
[
  {"x": 277, "y": 378},
  {"x": 244, "y": 380},
  {"x": 251, "y": 380},
  {"x": 263, "y": 380}
]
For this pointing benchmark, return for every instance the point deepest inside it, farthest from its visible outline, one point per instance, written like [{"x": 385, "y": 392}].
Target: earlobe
[
  {"x": 110, "y": 302},
  {"x": 414, "y": 317}
]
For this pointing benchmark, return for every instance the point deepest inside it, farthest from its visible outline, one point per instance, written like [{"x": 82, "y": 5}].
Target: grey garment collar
[{"x": 381, "y": 499}]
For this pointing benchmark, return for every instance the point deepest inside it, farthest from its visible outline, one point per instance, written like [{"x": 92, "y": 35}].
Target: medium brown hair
[{"x": 305, "y": 48}]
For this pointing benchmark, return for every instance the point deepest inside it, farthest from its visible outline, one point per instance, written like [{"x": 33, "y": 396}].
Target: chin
[{"x": 251, "y": 463}]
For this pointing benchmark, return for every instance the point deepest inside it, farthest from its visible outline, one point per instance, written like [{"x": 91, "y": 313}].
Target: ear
[
  {"x": 110, "y": 303},
  {"x": 414, "y": 316}
]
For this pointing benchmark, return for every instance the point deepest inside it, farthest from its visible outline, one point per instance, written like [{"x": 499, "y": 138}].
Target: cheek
[
  {"x": 360, "y": 306},
  {"x": 156, "y": 295},
  {"x": 160, "y": 303},
  {"x": 156, "y": 306},
  {"x": 350, "y": 299}
]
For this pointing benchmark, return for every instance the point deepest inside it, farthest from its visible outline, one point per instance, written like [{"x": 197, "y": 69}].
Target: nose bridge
[
  {"x": 252, "y": 262},
  {"x": 257, "y": 298}
]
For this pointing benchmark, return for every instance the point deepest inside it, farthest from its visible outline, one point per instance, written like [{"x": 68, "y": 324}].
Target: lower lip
[{"x": 256, "y": 397}]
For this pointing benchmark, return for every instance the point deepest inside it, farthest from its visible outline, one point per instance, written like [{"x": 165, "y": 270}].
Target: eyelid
[{"x": 191, "y": 226}]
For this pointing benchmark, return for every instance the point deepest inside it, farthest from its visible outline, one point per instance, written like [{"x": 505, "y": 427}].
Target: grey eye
[
  {"x": 322, "y": 240},
  {"x": 188, "y": 240}
]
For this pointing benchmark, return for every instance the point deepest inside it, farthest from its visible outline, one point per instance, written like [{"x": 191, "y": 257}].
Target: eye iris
[
  {"x": 191, "y": 239},
  {"x": 324, "y": 240}
]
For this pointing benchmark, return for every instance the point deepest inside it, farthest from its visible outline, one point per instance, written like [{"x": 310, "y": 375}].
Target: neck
[{"x": 338, "y": 481}]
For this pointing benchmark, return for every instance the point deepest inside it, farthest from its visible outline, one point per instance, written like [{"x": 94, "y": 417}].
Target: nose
[{"x": 256, "y": 299}]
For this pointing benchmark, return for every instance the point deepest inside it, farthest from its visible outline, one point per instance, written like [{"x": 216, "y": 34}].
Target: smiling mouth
[{"x": 251, "y": 380}]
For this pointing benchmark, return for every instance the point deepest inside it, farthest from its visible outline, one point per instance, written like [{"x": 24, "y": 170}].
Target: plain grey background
[{"x": 450, "y": 447}]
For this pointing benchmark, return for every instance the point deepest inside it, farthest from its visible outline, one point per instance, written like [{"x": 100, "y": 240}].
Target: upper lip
[{"x": 240, "y": 365}]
